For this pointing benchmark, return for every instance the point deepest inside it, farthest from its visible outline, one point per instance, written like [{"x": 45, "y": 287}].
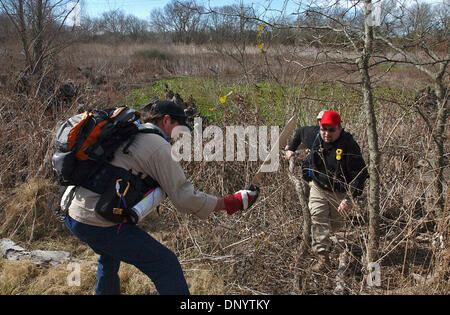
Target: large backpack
[{"x": 86, "y": 143}]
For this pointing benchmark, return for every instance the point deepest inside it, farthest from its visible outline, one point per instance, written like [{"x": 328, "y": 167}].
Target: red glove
[{"x": 241, "y": 200}]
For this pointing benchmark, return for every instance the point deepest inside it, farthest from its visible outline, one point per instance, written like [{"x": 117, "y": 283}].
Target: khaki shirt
[{"x": 149, "y": 154}]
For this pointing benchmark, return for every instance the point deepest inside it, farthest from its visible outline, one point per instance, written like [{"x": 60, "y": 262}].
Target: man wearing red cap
[{"x": 335, "y": 171}]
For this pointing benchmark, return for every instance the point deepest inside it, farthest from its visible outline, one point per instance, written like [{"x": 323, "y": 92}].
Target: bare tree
[
  {"x": 113, "y": 22},
  {"x": 429, "y": 54},
  {"x": 136, "y": 28},
  {"x": 40, "y": 25},
  {"x": 236, "y": 27},
  {"x": 181, "y": 19},
  {"x": 372, "y": 135}
]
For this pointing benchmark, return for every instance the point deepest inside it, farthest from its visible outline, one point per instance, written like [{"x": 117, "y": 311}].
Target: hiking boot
[{"x": 323, "y": 263}]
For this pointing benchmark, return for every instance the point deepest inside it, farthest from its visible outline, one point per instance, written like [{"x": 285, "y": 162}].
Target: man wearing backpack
[
  {"x": 149, "y": 154},
  {"x": 335, "y": 171}
]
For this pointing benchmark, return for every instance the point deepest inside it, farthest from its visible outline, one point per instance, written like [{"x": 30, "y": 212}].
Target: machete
[{"x": 279, "y": 145}]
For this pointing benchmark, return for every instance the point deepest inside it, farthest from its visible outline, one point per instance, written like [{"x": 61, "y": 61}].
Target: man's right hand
[
  {"x": 241, "y": 200},
  {"x": 289, "y": 154},
  {"x": 344, "y": 206}
]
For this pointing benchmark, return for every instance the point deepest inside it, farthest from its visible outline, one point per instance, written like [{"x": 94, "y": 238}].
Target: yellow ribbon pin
[{"x": 338, "y": 154}]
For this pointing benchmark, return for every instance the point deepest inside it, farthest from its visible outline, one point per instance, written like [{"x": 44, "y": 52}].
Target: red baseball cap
[{"x": 331, "y": 118}]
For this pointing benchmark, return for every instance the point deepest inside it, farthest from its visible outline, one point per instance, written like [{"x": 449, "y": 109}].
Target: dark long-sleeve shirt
[{"x": 347, "y": 174}]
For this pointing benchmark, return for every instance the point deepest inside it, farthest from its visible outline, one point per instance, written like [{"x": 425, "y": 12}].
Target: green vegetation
[{"x": 268, "y": 100}]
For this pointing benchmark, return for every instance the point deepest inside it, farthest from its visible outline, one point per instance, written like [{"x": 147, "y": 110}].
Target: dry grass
[
  {"x": 254, "y": 253},
  {"x": 26, "y": 278},
  {"x": 24, "y": 211}
]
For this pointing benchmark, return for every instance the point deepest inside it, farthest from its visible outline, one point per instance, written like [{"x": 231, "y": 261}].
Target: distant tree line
[{"x": 185, "y": 21}]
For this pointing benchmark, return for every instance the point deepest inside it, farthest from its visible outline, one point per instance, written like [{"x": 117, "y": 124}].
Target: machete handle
[{"x": 254, "y": 188}]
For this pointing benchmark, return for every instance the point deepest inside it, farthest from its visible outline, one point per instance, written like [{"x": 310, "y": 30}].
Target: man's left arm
[
  {"x": 356, "y": 169},
  {"x": 356, "y": 175}
]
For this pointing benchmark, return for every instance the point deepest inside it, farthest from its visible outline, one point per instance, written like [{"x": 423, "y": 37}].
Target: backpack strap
[
  {"x": 60, "y": 213},
  {"x": 315, "y": 140},
  {"x": 82, "y": 132},
  {"x": 311, "y": 152},
  {"x": 140, "y": 130}
]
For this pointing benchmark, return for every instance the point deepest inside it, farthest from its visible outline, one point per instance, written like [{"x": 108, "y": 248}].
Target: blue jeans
[{"x": 134, "y": 246}]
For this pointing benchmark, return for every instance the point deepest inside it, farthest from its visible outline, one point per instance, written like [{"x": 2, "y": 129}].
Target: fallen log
[{"x": 11, "y": 251}]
